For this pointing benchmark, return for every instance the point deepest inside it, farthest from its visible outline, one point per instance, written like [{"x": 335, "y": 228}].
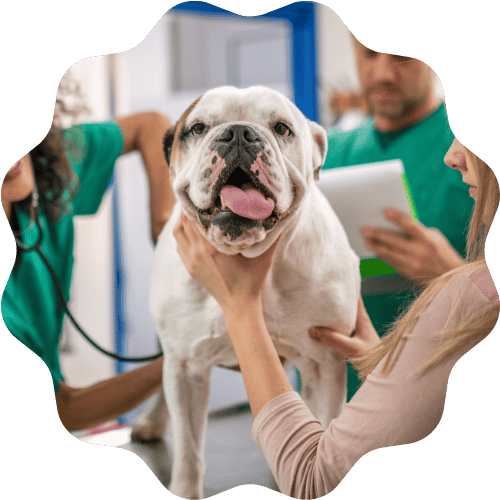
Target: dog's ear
[
  {"x": 172, "y": 138},
  {"x": 320, "y": 146},
  {"x": 168, "y": 141}
]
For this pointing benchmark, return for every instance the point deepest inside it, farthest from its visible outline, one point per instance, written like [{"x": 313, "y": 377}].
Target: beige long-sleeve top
[{"x": 398, "y": 408}]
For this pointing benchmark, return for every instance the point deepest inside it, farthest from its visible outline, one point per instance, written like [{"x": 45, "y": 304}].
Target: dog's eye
[
  {"x": 282, "y": 129},
  {"x": 198, "y": 128}
]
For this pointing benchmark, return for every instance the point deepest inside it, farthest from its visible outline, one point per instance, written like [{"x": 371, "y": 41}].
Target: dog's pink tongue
[{"x": 247, "y": 202}]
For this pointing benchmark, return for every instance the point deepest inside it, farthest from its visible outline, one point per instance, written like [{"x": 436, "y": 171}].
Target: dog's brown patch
[{"x": 176, "y": 147}]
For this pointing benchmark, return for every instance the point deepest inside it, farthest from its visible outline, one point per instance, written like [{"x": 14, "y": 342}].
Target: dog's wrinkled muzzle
[{"x": 239, "y": 199}]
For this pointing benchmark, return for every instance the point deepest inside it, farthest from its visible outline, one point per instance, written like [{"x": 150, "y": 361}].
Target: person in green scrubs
[
  {"x": 71, "y": 170},
  {"x": 408, "y": 122}
]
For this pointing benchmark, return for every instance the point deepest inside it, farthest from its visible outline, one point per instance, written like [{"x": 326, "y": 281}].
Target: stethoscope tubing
[{"x": 37, "y": 248}]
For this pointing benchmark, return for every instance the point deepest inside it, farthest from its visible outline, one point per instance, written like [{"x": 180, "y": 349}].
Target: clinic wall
[{"x": 335, "y": 60}]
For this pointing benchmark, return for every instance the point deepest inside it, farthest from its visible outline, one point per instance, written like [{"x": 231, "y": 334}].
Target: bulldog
[{"x": 243, "y": 165}]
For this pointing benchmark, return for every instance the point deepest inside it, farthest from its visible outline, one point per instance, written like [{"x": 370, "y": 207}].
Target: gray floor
[{"x": 232, "y": 457}]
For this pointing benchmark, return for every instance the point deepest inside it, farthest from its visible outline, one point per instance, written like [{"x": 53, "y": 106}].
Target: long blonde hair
[{"x": 473, "y": 329}]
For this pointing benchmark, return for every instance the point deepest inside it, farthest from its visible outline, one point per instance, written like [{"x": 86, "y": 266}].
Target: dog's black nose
[{"x": 239, "y": 135}]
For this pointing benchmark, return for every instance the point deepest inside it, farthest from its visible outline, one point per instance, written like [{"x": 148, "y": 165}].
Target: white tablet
[{"x": 359, "y": 195}]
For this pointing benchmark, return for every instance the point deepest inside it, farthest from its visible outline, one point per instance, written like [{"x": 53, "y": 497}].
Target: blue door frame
[{"x": 301, "y": 17}]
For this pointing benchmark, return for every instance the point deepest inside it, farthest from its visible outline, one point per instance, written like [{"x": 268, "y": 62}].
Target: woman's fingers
[
  {"x": 229, "y": 278},
  {"x": 188, "y": 230},
  {"x": 331, "y": 338},
  {"x": 346, "y": 346},
  {"x": 364, "y": 337},
  {"x": 182, "y": 240},
  {"x": 190, "y": 245},
  {"x": 349, "y": 347}
]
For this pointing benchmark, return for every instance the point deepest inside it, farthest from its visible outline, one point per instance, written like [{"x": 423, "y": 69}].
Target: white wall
[{"x": 335, "y": 59}]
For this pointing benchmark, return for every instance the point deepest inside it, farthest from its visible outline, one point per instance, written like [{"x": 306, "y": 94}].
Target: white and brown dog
[{"x": 243, "y": 164}]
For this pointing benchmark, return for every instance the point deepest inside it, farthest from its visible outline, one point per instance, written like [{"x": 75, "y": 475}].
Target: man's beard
[{"x": 396, "y": 109}]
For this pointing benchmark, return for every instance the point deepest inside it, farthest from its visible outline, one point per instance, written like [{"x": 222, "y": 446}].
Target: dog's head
[{"x": 241, "y": 162}]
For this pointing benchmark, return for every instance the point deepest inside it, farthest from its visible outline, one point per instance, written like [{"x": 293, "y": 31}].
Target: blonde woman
[{"x": 405, "y": 375}]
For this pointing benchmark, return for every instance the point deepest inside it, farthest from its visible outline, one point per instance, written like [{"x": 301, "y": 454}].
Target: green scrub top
[
  {"x": 30, "y": 307},
  {"x": 441, "y": 198}
]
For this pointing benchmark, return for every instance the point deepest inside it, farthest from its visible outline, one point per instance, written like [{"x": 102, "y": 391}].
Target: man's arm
[{"x": 143, "y": 132}]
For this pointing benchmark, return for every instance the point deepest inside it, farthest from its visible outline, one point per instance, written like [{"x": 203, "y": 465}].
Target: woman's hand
[
  {"x": 233, "y": 280},
  {"x": 363, "y": 339},
  {"x": 237, "y": 284}
]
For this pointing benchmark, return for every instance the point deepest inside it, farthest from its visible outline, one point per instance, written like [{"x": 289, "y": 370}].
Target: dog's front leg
[
  {"x": 186, "y": 386},
  {"x": 324, "y": 387}
]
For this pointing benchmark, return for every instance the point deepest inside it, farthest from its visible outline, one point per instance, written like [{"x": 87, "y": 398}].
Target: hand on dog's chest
[{"x": 246, "y": 202}]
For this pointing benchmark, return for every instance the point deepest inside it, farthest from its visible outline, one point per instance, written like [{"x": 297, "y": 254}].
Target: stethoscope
[{"x": 36, "y": 247}]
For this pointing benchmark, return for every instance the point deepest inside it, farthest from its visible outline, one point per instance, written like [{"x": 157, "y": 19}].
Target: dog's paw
[
  {"x": 148, "y": 431},
  {"x": 151, "y": 425},
  {"x": 187, "y": 491}
]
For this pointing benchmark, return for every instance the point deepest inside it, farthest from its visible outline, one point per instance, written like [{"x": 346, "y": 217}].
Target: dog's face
[{"x": 242, "y": 160}]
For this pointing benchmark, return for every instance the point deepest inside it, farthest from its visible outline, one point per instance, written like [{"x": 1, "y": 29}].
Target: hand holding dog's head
[{"x": 242, "y": 161}]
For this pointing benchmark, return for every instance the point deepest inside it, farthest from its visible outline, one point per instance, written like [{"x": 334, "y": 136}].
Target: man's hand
[{"x": 421, "y": 254}]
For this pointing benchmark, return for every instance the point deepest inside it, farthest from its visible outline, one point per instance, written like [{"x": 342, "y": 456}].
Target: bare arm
[
  {"x": 90, "y": 406},
  {"x": 143, "y": 132},
  {"x": 237, "y": 284}
]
